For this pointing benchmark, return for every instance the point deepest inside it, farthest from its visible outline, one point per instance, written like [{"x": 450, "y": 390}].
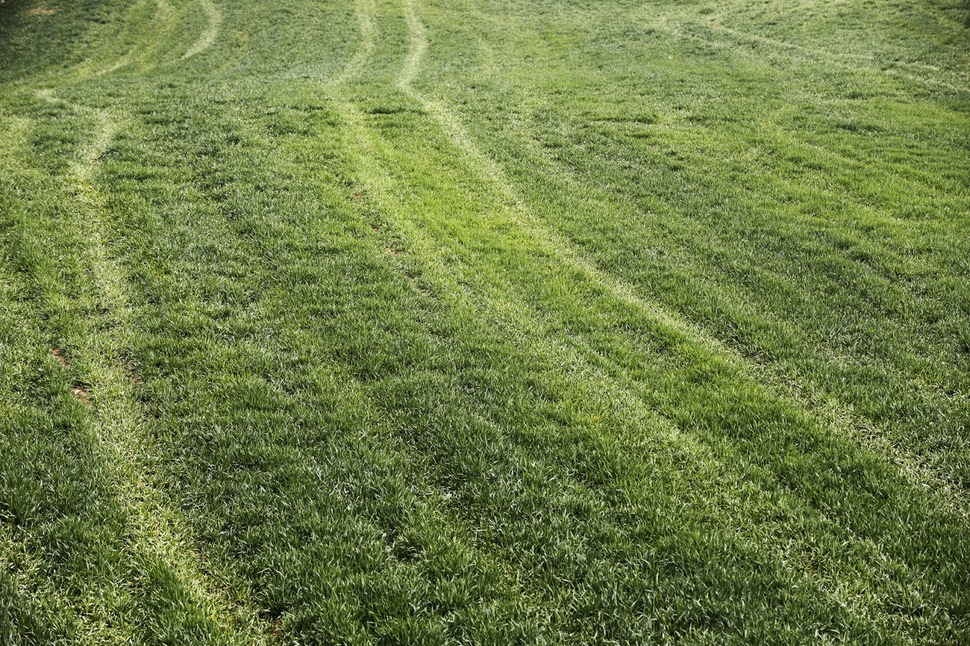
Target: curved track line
[
  {"x": 24, "y": 569},
  {"x": 513, "y": 317},
  {"x": 138, "y": 48},
  {"x": 835, "y": 416},
  {"x": 163, "y": 13},
  {"x": 681, "y": 27},
  {"x": 418, "y": 45},
  {"x": 831, "y": 585},
  {"x": 157, "y": 530},
  {"x": 808, "y": 54},
  {"x": 828, "y": 410},
  {"x": 366, "y": 17},
  {"x": 208, "y": 37},
  {"x": 164, "y": 10}
]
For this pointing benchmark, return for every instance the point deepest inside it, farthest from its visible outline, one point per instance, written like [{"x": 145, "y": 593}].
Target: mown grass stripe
[
  {"x": 157, "y": 530},
  {"x": 836, "y": 414},
  {"x": 477, "y": 322},
  {"x": 211, "y": 32},
  {"x": 515, "y": 318}
]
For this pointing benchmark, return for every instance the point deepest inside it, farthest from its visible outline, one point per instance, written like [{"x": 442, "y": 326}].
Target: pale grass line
[
  {"x": 837, "y": 586},
  {"x": 366, "y": 11},
  {"x": 843, "y": 59},
  {"x": 840, "y": 60},
  {"x": 22, "y": 566},
  {"x": 158, "y": 531},
  {"x": 797, "y": 560},
  {"x": 134, "y": 53},
  {"x": 827, "y": 410},
  {"x": 835, "y": 415},
  {"x": 163, "y": 13},
  {"x": 714, "y": 23},
  {"x": 208, "y": 37},
  {"x": 95, "y": 67},
  {"x": 416, "y": 49},
  {"x": 93, "y": 613},
  {"x": 807, "y": 54},
  {"x": 513, "y": 318}
]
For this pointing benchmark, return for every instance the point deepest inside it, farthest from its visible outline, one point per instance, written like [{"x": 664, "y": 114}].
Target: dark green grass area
[{"x": 439, "y": 321}]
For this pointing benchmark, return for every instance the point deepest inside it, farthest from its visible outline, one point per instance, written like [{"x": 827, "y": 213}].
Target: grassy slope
[{"x": 429, "y": 320}]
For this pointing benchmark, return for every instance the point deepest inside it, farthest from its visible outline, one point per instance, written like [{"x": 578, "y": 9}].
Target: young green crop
[{"x": 439, "y": 321}]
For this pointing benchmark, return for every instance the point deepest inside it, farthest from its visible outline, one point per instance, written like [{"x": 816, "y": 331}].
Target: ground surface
[{"x": 484, "y": 321}]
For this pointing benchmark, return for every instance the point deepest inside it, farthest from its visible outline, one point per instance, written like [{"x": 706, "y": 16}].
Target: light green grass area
[{"x": 484, "y": 321}]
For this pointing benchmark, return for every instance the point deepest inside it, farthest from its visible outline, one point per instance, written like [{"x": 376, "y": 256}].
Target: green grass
[{"x": 491, "y": 321}]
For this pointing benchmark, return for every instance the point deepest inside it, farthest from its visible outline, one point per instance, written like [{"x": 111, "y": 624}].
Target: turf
[{"x": 484, "y": 321}]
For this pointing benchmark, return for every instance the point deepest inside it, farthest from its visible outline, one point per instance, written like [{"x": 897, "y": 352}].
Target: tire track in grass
[
  {"x": 618, "y": 289},
  {"x": 160, "y": 29},
  {"x": 94, "y": 614},
  {"x": 512, "y": 318},
  {"x": 92, "y": 67},
  {"x": 836, "y": 414},
  {"x": 157, "y": 531},
  {"x": 144, "y": 37},
  {"x": 866, "y": 64},
  {"x": 685, "y": 26},
  {"x": 921, "y": 476},
  {"x": 24, "y": 571},
  {"x": 377, "y": 434},
  {"x": 435, "y": 513},
  {"x": 830, "y": 409},
  {"x": 366, "y": 11},
  {"x": 209, "y": 35},
  {"x": 142, "y": 48},
  {"x": 791, "y": 553},
  {"x": 378, "y": 180}
]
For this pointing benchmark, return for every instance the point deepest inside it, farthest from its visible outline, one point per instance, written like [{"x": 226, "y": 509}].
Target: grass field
[{"x": 484, "y": 321}]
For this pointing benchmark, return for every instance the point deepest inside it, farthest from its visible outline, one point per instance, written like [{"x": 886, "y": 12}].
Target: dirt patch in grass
[
  {"x": 40, "y": 11},
  {"x": 82, "y": 396},
  {"x": 59, "y": 356}
]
